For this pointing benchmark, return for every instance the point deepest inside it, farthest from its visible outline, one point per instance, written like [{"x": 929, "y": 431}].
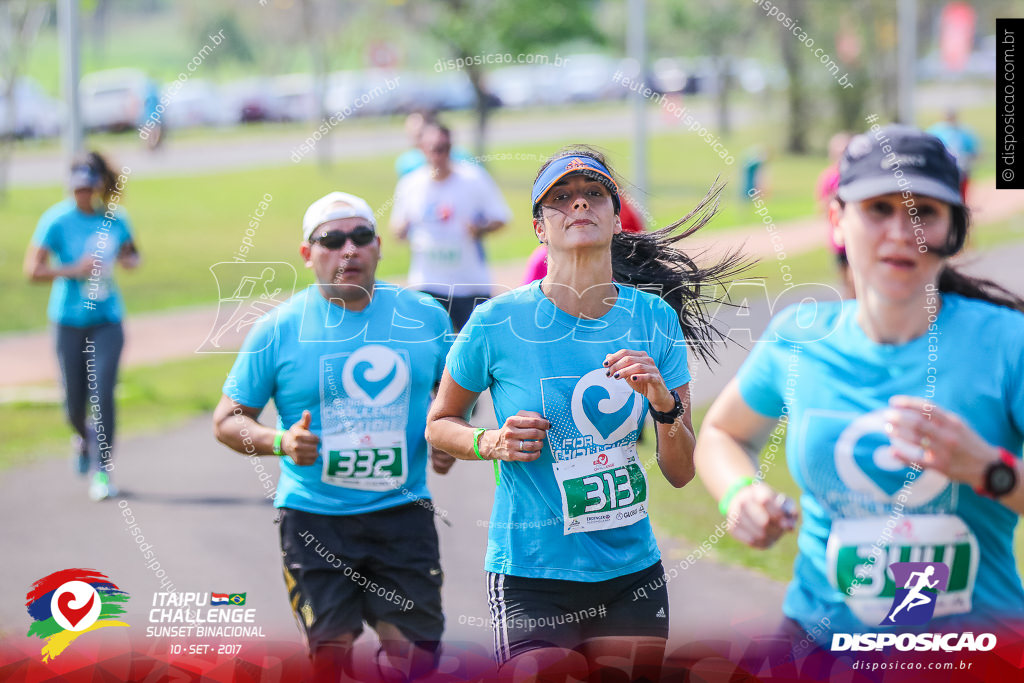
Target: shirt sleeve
[
  {"x": 47, "y": 231},
  {"x": 492, "y": 203},
  {"x": 1015, "y": 389},
  {"x": 399, "y": 209},
  {"x": 672, "y": 351},
  {"x": 446, "y": 343},
  {"x": 469, "y": 359},
  {"x": 253, "y": 378},
  {"x": 759, "y": 376}
]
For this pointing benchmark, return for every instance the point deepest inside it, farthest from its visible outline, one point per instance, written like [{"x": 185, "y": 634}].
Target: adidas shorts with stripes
[{"x": 527, "y": 614}]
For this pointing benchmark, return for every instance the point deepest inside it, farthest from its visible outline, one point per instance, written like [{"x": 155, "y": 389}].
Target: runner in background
[
  {"x": 573, "y": 362},
  {"x": 414, "y": 157},
  {"x": 906, "y": 420},
  {"x": 825, "y": 192},
  {"x": 961, "y": 142},
  {"x": 356, "y": 520},
  {"x": 444, "y": 210},
  {"x": 75, "y": 246}
]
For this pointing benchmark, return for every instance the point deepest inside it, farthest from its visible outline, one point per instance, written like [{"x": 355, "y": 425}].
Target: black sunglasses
[{"x": 335, "y": 239}]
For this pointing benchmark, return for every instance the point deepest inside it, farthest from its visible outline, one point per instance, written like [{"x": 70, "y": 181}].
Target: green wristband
[
  {"x": 730, "y": 493},
  {"x": 277, "y": 442},
  {"x": 476, "y": 449},
  {"x": 476, "y": 441}
]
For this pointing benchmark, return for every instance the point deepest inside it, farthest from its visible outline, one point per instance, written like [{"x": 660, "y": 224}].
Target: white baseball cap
[{"x": 327, "y": 209}]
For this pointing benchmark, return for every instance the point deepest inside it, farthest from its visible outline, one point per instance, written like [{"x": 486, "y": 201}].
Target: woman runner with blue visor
[{"x": 574, "y": 362}]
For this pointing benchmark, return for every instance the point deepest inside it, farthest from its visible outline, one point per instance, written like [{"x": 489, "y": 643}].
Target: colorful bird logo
[{"x": 68, "y": 603}]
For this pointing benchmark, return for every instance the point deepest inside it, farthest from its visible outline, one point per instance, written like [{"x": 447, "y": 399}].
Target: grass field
[{"x": 186, "y": 224}]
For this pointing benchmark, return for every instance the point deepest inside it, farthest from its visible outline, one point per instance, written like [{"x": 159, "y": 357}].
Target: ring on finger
[{"x": 925, "y": 442}]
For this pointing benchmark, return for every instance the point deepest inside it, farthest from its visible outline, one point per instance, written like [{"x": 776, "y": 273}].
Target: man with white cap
[{"x": 350, "y": 363}]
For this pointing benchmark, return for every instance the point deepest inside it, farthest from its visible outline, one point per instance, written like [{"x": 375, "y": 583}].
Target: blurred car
[
  {"x": 294, "y": 97},
  {"x": 36, "y": 114},
  {"x": 249, "y": 100},
  {"x": 113, "y": 99},
  {"x": 195, "y": 103},
  {"x": 589, "y": 78},
  {"x": 450, "y": 90},
  {"x": 515, "y": 86}
]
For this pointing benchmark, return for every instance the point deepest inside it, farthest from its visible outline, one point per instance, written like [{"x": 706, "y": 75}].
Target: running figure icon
[{"x": 916, "y": 598}]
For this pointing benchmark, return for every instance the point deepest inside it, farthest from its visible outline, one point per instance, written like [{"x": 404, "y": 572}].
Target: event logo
[
  {"x": 914, "y": 602},
  {"x": 375, "y": 375},
  {"x": 69, "y": 603},
  {"x": 604, "y": 408}
]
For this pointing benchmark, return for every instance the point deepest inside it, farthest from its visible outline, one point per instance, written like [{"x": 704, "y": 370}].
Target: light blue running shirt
[
  {"x": 534, "y": 356},
  {"x": 366, "y": 377},
  {"x": 68, "y": 234},
  {"x": 836, "y": 384}
]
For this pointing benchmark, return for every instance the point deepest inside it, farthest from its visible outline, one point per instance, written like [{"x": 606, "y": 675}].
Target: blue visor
[
  {"x": 83, "y": 176},
  {"x": 569, "y": 165}
]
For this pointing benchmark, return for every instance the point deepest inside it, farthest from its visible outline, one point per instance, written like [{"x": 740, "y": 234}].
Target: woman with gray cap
[
  {"x": 905, "y": 410},
  {"x": 75, "y": 246}
]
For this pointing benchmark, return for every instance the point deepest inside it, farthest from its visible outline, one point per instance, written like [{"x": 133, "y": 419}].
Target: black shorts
[
  {"x": 459, "y": 307},
  {"x": 342, "y": 570},
  {"x": 528, "y": 614}
]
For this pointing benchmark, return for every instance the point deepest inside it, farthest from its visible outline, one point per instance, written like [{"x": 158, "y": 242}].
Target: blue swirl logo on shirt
[
  {"x": 603, "y": 408},
  {"x": 605, "y": 423},
  {"x": 375, "y": 375},
  {"x": 370, "y": 386}
]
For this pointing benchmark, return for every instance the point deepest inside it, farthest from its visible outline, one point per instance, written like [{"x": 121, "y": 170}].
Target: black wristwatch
[
  {"x": 672, "y": 415},
  {"x": 1000, "y": 476}
]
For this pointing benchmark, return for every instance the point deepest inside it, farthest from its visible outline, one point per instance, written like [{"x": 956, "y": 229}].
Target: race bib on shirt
[
  {"x": 364, "y": 411},
  {"x": 868, "y": 586},
  {"x": 594, "y": 424},
  {"x": 605, "y": 492},
  {"x": 437, "y": 254},
  {"x": 370, "y": 462}
]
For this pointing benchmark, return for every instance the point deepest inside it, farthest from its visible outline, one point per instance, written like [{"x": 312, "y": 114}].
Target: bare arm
[
  {"x": 731, "y": 438},
  {"x": 236, "y": 427},
  {"x": 37, "y": 266},
  {"x": 478, "y": 231},
  {"x": 520, "y": 439},
  {"x": 676, "y": 442},
  {"x": 128, "y": 256}
]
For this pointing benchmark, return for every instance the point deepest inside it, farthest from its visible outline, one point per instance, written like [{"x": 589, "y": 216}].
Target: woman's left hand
[
  {"x": 938, "y": 439},
  {"x": 642, "y": 375}
]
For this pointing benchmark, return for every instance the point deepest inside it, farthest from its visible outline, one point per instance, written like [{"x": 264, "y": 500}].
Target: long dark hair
[
  {"x": 652, "y": 262},
  {"x": 101, "y": 167},
  {"x": 953, "y": 281}
]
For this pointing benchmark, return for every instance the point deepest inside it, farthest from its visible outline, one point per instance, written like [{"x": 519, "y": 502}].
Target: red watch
[{"x": 1000, "y": 476}]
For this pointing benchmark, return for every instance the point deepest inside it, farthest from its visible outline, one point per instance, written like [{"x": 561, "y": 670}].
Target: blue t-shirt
[
  {"x": 833, "y": 383},
  {"x": 366, "y": 377},
  {"x": 534, "y": 356},
  {"x": 68, "y": 234}
]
